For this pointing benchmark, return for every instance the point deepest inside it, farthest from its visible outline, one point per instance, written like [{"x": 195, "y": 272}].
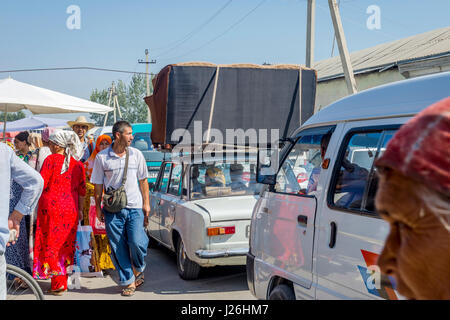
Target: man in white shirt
[
  {"x": 125, "y": 229},
  {"x": 13, "y": 168}
]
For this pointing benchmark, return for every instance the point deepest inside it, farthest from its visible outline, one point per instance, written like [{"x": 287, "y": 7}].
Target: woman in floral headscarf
[
  {"x": 102, "y": 250},
  {"x": 59, "y": 210}
]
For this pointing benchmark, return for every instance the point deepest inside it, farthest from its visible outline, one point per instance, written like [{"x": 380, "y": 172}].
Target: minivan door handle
[
  {"x": 333, "y": 228},
  {"x": 302, "y": 220}
]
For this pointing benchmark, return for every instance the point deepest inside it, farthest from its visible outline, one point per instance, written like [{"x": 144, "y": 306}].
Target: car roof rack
[{"x": 207, "y": 148}]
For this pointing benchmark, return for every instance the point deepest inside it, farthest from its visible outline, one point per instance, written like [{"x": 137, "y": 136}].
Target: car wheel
[
  {"x": 282, "y": 292},
  {"x": 187, "y": 269}
]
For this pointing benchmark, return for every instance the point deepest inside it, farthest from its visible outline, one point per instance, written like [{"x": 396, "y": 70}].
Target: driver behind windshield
[{"x": 196, "y": 185}]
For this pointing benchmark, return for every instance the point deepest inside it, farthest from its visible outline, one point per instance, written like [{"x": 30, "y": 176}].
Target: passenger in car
[
  {"x": 237, "y": 182},
  {"x": 352, "y": 181},
  {"x": 414, "y": 197},
  {"x": 214, "y": 177}
]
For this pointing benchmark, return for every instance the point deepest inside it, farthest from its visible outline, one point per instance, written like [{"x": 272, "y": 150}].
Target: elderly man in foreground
[{"x": 414, "y": 197}]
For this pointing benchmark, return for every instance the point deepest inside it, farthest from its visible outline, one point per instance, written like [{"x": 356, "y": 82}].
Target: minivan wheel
[
  {"x": 282, "y": 292},
  {"x": 187, "y": 269}
]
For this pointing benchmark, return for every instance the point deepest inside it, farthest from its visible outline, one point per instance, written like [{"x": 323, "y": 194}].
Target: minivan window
[
  {"x": 300, "y": 170},
  {"x": 355, "y": 182},
  {"x": 369, "y": 200},
  {"x": 354, "y": 170}
]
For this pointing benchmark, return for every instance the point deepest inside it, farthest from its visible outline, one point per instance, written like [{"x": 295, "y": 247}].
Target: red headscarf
[
  {"x": 420, "y": 149},
  {"x": 89, "y": 164}
]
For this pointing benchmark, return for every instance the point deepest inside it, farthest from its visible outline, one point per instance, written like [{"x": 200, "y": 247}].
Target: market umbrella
[
  {"x": 33, "y": 122},
  {"x": 16, "y": 95}
]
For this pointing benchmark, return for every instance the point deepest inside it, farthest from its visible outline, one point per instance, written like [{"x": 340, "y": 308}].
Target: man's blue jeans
[{"x": 128, "y": 242}]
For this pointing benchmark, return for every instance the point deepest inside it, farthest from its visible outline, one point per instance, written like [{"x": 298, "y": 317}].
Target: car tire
[
  {"x": 282, "y": 292},
  {"x": 187, "y": 269}
]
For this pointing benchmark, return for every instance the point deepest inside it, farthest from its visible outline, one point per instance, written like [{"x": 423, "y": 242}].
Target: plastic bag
[
  {"x": 84, "y": 253},
  {"x": 98, "y": 227}
]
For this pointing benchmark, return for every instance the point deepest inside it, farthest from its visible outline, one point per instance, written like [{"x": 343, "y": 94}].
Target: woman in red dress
[{"x": 59, "y": 210}]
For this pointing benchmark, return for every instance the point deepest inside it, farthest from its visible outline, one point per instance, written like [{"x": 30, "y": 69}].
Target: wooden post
[
  {"x": 342, "y": 45},
  {"x": 310, "y": 30},
  {"x": 109, "y": 104},
  {"x": 4, "y": 122},
  {"x": 149, "y": 116}
]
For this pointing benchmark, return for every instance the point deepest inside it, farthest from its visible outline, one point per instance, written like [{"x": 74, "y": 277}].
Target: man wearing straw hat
[{"x": 81, "y": 126}]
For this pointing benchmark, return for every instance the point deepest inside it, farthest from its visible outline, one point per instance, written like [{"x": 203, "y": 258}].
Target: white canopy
[{"x": 15, "y": 96}]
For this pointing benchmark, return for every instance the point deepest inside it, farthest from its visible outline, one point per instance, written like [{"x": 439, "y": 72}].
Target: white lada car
[{"x": 202, "y": 208}]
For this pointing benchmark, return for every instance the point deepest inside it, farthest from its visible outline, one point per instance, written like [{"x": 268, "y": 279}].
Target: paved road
[{"x": 162, "y": 282}]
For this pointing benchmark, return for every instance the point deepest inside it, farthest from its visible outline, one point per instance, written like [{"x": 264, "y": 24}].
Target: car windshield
[
  {"x": 142, "y": 141},
  {"x": 220, "y": 179}
]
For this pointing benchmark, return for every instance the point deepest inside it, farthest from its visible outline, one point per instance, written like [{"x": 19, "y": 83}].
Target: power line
[
  {"x": 220, "y": 35},
  {"x": 70, "y": 68},
  {"x": 193, "y": 32}
]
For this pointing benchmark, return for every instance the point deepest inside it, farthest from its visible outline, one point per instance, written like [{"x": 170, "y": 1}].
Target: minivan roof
[{"x": 399, "y": 99}]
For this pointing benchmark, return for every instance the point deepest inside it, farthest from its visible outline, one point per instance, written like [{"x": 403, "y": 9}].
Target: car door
[
  {"x": 155, "y": 201},
  {"x": 351, "y": 234},
  {"x": 170, "y": 200},
  {"x": 287, "y": 212}
]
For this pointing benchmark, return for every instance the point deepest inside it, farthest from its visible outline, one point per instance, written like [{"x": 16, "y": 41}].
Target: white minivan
[{"x": 323, "y": 241}]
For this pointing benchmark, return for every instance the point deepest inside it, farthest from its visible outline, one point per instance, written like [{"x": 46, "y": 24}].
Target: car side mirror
[{"x": 267, "y": 166}]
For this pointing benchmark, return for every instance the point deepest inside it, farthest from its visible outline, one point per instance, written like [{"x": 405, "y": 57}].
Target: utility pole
[
  {"x": 115, "y": 103},
  {"x": 342, "y": 45},
  {"x": 149, "y": 117},
  {"x": 310, "y": 31}
]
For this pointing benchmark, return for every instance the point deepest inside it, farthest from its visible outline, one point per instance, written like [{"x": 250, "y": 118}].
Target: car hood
[{"x": 229, "y": 208}]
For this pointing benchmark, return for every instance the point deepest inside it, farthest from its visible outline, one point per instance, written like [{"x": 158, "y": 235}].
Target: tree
[
  {"x": 12, "y": 116},
  {"x": 130, "y": 98}
]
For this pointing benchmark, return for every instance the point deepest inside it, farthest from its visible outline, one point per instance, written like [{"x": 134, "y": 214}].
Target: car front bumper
[{"x": 213, "y": 254}]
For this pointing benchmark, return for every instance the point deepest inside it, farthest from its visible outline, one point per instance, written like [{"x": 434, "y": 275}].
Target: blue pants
[{"x": 128, "y": 242}]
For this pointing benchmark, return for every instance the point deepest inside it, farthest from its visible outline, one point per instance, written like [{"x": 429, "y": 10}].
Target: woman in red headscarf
[
  {"x": 102, "y": 251},
  {"x": 414, "y": 197},
  {"x": 59, "y": 210}
]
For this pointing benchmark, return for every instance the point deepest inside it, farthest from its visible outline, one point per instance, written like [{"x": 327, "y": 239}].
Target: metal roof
[
  {"x": 397, "y": 99},
  {"x": 421, "y": 46}
]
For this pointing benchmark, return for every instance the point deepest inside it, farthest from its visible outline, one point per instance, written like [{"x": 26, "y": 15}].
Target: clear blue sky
[{"x": 114, "y": 34}]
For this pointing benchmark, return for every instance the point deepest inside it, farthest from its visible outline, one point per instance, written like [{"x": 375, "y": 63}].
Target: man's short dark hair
[{"x": 119, "y": 126}]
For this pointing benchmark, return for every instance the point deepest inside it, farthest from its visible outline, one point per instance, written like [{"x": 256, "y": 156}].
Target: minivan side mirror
[{"x": 267, "y": 166}]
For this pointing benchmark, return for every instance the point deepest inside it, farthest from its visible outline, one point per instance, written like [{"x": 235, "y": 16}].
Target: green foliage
[
  {"x": 12, "y": 116},
  {"x": 130, "y": 98}
]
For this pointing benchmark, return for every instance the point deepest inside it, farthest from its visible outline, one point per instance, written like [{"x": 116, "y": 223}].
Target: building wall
[{"x": 335, "y": 89}]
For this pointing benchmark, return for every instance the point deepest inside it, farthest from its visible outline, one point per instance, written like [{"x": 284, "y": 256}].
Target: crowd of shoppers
[{"x": 52, "y": 184}]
